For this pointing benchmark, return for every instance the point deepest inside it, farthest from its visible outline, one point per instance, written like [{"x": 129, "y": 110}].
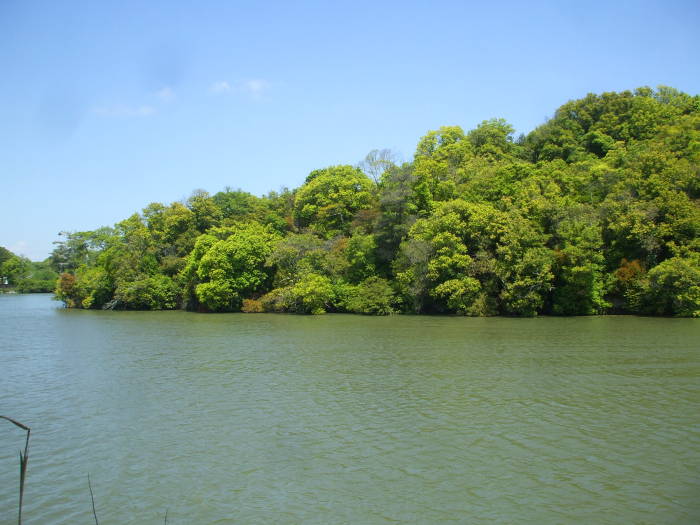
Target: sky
[{"x": 106, "y": 107}]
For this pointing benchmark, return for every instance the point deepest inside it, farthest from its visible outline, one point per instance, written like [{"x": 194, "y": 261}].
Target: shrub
[
  {"x": 150, "y": 293},
  {"x": 372, "y": 296},
  {"x": 252, "y": 306}
]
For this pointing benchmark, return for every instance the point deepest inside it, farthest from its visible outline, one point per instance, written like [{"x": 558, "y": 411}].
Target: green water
[{"x": 346, "y": 419}]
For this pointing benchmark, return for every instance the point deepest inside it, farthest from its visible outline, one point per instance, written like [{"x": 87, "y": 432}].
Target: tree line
[
  {"x": 19, "y": 274},
  {"x": 596, "y": 211}
]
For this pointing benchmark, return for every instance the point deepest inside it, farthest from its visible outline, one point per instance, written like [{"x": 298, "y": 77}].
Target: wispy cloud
[
  {"x": 220, "y": 87},
  {"x": 166, "y": 94},
  {"x": 122, "y": 111},
  {"x": 253, "y": 87}
]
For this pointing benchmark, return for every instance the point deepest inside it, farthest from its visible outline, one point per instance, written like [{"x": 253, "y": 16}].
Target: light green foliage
[
  {"x": 205, "y": 211},
  {"x": 25, "y": 276},
  {"x": 90, "y": 287},
  {"x": 40, "y": 279},
  {"x": 360, "y": 252},
  {"x": 492, "y": 139},
  {"x": 5, "y": 254},
  {"x": 437, "y": 160},
  {"x": 224, "y": 271},
  {"x": 373, "y": 296},
  {"x": 15, "y": 269},
  {"x": 312, "y": 294},
  {"x": 173, "y": 229},
  {"x": 157, "y": 292},
  {"x": 592, "y": 125},
  {"x": 331, "y": 198},
  {"x": 240, "y": 206},
  {"x": 595, "y": 211},
  {"x": 78, "y": 248},
  {"x": 581, "y": 283},
  {"x": 460, "y": 294},
  {"x": 296, "y": 255},
  {"x": 673, "y": 288}
]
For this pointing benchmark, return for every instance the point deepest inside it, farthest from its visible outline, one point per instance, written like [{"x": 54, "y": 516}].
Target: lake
[{"x": 262, "y": 418}]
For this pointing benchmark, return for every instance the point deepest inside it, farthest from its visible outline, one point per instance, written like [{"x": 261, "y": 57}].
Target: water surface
[{"x": 237, "y": 418}]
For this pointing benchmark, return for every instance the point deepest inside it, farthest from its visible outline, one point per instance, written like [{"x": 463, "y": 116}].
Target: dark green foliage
[{"x": 595, "y": 211}]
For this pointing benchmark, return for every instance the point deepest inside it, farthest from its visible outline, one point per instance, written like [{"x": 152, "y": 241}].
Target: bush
[
  {"x": 313, "y": 294},
  {"x": 673, "y": 288},
  {"x": 65, "y": 289},
  {"x": 36, "y": 285},
  {"x": 151, "y": 293},
  {"x": 252, "y": 306},
  {"x": 373, "y": 296}
]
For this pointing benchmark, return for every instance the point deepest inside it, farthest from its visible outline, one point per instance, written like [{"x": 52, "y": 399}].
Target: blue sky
[{"x": 108, "y": 106}]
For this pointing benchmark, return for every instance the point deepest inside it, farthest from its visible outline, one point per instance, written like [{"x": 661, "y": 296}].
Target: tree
[
  {"x": 223, "y": 272},
  {"x": 373, "y": 296},
  {"x": 330, "y": 198},
  {"x": 377, "y": 163},
  {"x": 597, "y": 210},
  {"x": 492, "y": 139},
  {"x": 673, "y": 288}
]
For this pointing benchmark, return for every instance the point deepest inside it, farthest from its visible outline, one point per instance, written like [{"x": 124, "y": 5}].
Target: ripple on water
[{"x": 343, "y": 419}]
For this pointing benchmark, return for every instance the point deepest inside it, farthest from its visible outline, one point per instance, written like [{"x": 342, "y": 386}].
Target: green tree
[
  {"x": 223, "y": 272},
  {"x": 673, "y": 288},
  {"x": 330, "y": 199},
  {"x": 373, "y": 296}
]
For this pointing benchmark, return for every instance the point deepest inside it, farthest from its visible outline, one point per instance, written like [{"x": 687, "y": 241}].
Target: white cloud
[
  {"x": 255, "y": 87},
  {"x": 220, "y": 87},
  {"x": 124, "y": 111},
  {"x": 166, "y": 94},
  {"x": 252, "y": 87}
]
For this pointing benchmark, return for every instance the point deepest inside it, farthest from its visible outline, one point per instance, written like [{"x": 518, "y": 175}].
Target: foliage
[
  {"x": 157, "y": 292},
  {"x": 673, "y": 288},
  {"x": 595, "y": 211},
  {"x": 227, "y": 265},
  {"x": 25, "y": 276},
  {"x": 313, "y": 294},
  {"x": 373, "y": 296},
  {"x": 331, "y": 197}
]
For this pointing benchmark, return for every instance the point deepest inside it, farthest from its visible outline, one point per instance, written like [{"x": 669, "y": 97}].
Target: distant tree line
[
  {"x": 596, "y": 211},
  {"x": 19, "y": 274}
]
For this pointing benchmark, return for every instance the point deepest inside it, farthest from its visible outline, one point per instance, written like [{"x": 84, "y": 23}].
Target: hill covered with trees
[{"x": 596, "y": 211}]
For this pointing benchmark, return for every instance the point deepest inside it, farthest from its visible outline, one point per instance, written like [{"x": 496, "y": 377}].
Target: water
[{"x": 250, "y": 419}]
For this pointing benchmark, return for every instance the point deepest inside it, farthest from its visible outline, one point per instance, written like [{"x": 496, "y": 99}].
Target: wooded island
[{"x": 596, "y": 211}]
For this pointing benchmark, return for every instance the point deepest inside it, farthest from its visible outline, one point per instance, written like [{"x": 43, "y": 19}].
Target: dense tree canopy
[{"x": 596, "y": 211}]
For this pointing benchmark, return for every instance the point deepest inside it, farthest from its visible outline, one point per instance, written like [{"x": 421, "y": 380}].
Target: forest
[{"x": 596, "y": 211}]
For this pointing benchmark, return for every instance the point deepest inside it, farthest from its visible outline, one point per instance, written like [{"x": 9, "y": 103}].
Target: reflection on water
[{"x": 346, "y": 419}]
